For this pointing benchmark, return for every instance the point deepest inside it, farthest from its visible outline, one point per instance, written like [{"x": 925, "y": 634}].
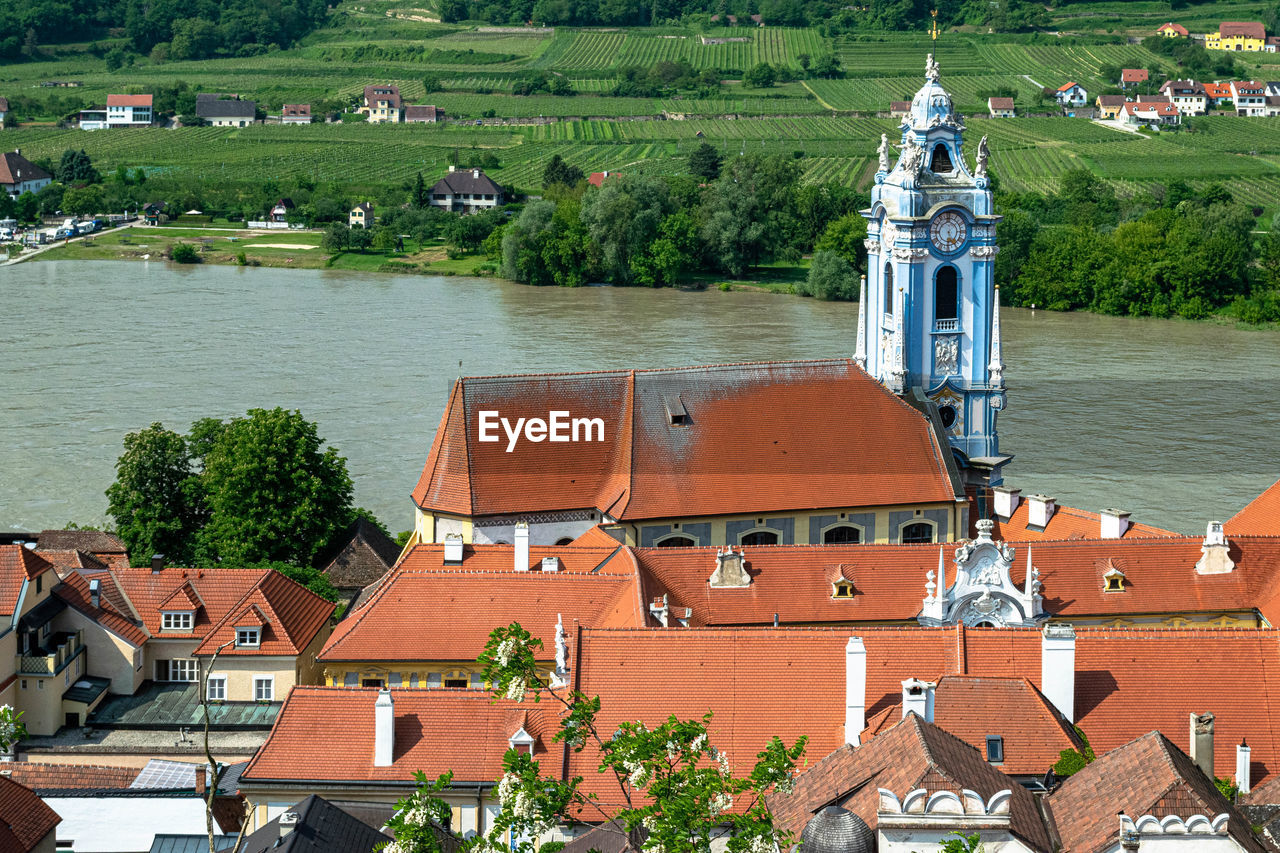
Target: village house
[
  {"x": 1109, "y": 105},
  {"x": 361, "y": 216},
  {"x": 225, "y": 110},
  {"x": 280, "y": 210},
  {"x": 27, "y": 825},
  {"x": 295, "y": 114},
  {"x": 899, "y": 109},
  {"x": 1132, "y": 77},
  {"x": 758, "y": 482},
  {"x": 1237, "y": 35},
  {"x": 1149, "y": 114},
  {"x": 129, "y": 110},
  {"x": 466, "y": 191},
  {"x": 92, "y": 119},
  {"x": 381, "y": 104},
  {"x": 1217, "y": 94},
  {"x": 369, "y": 553},
  {"x": 1000, "y": 107},
  {"x": 19, "y": 175},
  {"x": 1172, "y": 30},
  {"x": 1187, "y": 95},
  {"x": 1249, "y": 97},
  {"x": 1072, "y": 95},
  {"x": 597, "y": 179},
  {"x": 423, "y": 114}
]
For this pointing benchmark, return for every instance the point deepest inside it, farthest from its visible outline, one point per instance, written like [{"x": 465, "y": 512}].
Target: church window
[
  {"x": 916, "y": 533},
  {"x": 675, "y": 542},
  {"x": 995, "y": 749},
  {"x": 946, "y": 291},
  {"x": 940, "y": 163},
  {"x": 888, "y": 289},
  {"x": 842, "y": 534},
  {"x": 455, "y": 679},
  {"x": 759, "y": 537},
  {"x": 842, "y": 589}
]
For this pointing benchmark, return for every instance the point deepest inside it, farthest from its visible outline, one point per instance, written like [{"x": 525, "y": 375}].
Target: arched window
[
  {"x": 888, "y": 288},
  {"x": 759, "y": 537},
  {"x": 946, "y": 292},
  {"x": 841, "y": 534},
  {"x": 916, "y": 533},
  {"x": 940, "y": 163},
  {"x": 564, "y": 540},
  {"x": 675, "y": 542}
]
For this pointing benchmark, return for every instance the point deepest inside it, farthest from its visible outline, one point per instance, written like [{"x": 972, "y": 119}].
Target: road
[{"x": 55, "y": 244}]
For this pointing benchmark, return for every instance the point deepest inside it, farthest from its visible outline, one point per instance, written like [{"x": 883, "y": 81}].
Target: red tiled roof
[
  {"x": 16, "y": 169},
  {"x": 74, "y": 590},
  {"x": 1249, "y": 87},
  {"x": 295, "y": 110},
  {"x": 99, "y": 543},
  {"x": 129, "y": 100},
  {"x": 912, "y": 754},
  {"x": 70, "y": 561},
  {"x": 597, "y": 179},
  {"x": 25, "y": 820},
  {"x": 973, "y": 707},
  {"x": 1177, "y": 28},
  {"x": 596, "y": 537},
  {"x": 1218, "y": 90},
  {"x": 1148, "y": 776},
  {"x": 388, "y": 93},
  {"x": 64, "y": 777},
  {"x": 1134, "y": 75},
  {"x": 1000, "y": 103},
  {"x": 1149, "y": 108},
  {"x": 1066, "y": 86},
  {"x": 304, "y": 745},
  {"x": 17, "y": 564},
  {"x": 184, "y": 597},
  {"x": 290, "y": 615},
  {"x": 1248, "y": 29},
  {"x": 718, "y": 462},
  {"x": 1066, "y": 522},
  {"x": 219, "y": 590},
  {"x": 1261, "y": 516},
  {"x": 595, "y": 586}
]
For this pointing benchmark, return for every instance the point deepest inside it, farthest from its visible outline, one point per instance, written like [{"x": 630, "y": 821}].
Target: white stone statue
[
  {"x": 884, "y": 152},
  {"x": 980, "y": 170},
  {"x": 912, "y": 158},
  {"x": 931, "y": 71}
]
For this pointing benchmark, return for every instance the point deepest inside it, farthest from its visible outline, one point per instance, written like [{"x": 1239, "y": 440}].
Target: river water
[{"x": 1174, "y": 421}]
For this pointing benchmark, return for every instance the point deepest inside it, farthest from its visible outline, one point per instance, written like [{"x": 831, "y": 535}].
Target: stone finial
[
  {"x": 731, "y": 569},
  {"x": 1214, "y": 558},
  {"x": 560, "y": 677}
]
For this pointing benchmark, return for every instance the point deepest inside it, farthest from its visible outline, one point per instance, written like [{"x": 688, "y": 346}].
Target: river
[{"x": 1171, "y": 420}]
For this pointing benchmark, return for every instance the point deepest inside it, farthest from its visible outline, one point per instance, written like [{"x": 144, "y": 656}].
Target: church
[{"x": 896, "y": 445}]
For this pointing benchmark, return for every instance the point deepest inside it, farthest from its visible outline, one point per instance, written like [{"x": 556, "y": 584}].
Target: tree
[
  {"x": 760, "y": 76},
  {"x": 831, "y": 277},
  {"x": 360, "y": 239},
  {"x": 419, "y": 197},
  {"x": 557, "y": 171},
  {"x": 75, "y": 168},
  {"x": 705, "y": 162},
  {"x": 846, "y": 237},
  {"x": 452, "y": 11},
  {"x": 114, "y": 58},
  {"x": 337, "y": 238},
  {"x": 155, "y": 500},
  {"x": 184, "y": 253},
  {"x": 675, "y": 790},
  {"x": 622, "y": 219},
  {"x": 27, "y": 207},
  {"x": 82, "y": 201},
  {"x": 272, "y": 492}
]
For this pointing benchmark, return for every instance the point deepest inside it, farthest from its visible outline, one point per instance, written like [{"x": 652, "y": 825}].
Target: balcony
[
  {"x": 946, "y": 325},
  {"x": 61, "y": 649}
]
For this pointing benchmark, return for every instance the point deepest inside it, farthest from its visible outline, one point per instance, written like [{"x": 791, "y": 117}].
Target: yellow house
[
  {"x": 781, "y": 453},
  {"x": 1237, "y": 35}
]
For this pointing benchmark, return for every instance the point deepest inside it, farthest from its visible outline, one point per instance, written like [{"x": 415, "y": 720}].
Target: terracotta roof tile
[
  {"x": 17, "y": 565},
  {"x": 16, "y": 169},
  {"x": 218, "y": 591},
  {"x": 1177, "y": 28},
  {"x": 1066, "y": 522},
  {"x": 129, "y": 100},
  {"x": 716, "y": 462},
  {"x": 1248, "y": 29},
  {"x": 25, "y": 820},
  {"x": 70, "y": 561},
  {"x": 184, "y": 597},
  {"x": 96, "y": 542},
  {"x": 1261, "y": 516},
  {"x": 65, "y": 777},
  {"x": 595, "y": 586},
  {"x": 1148, "y": 776},
  {"x": 74, "y": 590},
  {"x": 290, "y": 615},
  {"x": 1000, "y": 103}
]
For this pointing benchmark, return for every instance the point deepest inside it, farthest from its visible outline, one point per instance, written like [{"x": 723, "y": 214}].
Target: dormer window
[
  {"x": 1113, "y": 581},
  {"x": 995, "y": 749},
  {"x": 677, "y": 415},
  {"x": 248, "y": 638},
  {"x": 177, "y": 620},
  {"x": 522, "y": 741},
  {"x": 842, "y": 589}
]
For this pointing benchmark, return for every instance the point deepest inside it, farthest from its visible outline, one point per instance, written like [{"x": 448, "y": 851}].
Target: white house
[
  {"x": 1250, "y": 97},
  {"x": 1190, "y": 97},
  {"x": 1072, "y": 95},
  {"x": 129, "y": 110},
  {"x": 19, "y": 175},
  {"x": 222, "y": 111},
  {"x": 466, "y": 191}
]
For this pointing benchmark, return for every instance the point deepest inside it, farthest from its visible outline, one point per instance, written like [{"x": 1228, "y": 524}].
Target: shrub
[{"x": 184, "y": 253}]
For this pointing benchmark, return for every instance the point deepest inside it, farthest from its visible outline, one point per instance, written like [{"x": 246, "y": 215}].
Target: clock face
[{"x": 947, "y": 231}]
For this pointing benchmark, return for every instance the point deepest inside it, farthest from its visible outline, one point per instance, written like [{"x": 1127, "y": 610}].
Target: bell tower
[{"x": 929, "y": 318}]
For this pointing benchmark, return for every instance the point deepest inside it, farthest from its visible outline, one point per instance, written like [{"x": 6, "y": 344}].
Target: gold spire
[{"x": 933, "y": 27}]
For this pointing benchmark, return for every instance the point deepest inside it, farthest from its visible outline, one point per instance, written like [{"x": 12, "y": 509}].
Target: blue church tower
[{"x": 929, "y": 314}]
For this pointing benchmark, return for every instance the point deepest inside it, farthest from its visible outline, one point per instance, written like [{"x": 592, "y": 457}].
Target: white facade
[
  {"x": 228, "y": 121},
  {"x": 1073, "y": 96},
  {"x": 128, "y": 116},
  {"x": 125, "y": 824}
]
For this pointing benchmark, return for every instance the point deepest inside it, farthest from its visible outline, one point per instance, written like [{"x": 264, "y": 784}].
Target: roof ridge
[{"x": 623, "y": 372}]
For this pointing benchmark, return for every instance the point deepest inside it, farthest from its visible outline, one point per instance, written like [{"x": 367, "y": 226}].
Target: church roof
[
  {"x": 1065, "y": 523},
  {"x": 1261, "y": 516},
  {"x": 681, "y": 442}
]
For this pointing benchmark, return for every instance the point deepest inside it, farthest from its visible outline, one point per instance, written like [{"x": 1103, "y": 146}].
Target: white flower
[
  {"x": 505, "y": 649},
  {"x": 787, "y": 785},
  {"x": 507, "y": 786},
  {"x": 515, "y": 689},
  {"x": 763, "y": 844},
  {"x": 639, "y": 774},
  {"x": 721, "y": 803},
  {"x": 698, "y": 743},
  {"x": 673, "y": 751},
  {"x": 723, "y": 758}
]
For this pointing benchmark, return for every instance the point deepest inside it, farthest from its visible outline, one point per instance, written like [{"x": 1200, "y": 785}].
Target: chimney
[
  {"x": 288, "y": 823},
  {"x": 157, "y": 562},
  {"x": 551, "y": 564},
  {"x": 917, "y": 698},
  {"x": 855, "y": 690},
  {"x": 1114, "y": 523},
  {"x": 1058, "y": 667},
  {"x": 1244, "y": 772},
  {"x": 95, "y": 593},
  {"x": 522, "y": 547},
  {"x": 1039, "y": 510},
  {"x": 384, "y": 729},
  {"x": 453, "y": 549},
  {"x": 475, "y": 173},
  {"x": 1213, "y": 552},
  {"x": 1005, "y": 501},
  {"x": 201, "y": 779},
  {"x": 1202, "y": 742},
  {"x": 658, "y": 607}
]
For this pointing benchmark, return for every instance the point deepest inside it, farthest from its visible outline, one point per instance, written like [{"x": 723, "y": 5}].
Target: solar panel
[{"x": 160, "y": 773}]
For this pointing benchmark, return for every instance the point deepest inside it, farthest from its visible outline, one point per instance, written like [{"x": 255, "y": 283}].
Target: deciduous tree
[{"x": 156, "y": 501}]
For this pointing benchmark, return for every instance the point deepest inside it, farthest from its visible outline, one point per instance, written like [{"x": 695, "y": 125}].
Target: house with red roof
[
  {"x": 670, "y": 458},
  {"x": 27, "y": 825},
  {"x": 295, "y": 114},
  {"x": 1130, "y": 77},
  {"x": 19, "y": 175},
  {"x": 1149, "y": 114},
  {"x": 1249, "y": 97},
  {"x": 597, "y": 179},
  {"x": 1172, "y": 30},
  {"x": 129, "y": 111},
  {"x": 1000, "y": 107},
  {"x": 1218, "y": 93},
  {"x": 1237, "y": 35},
  {"x": 1072, "y": 95}
]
